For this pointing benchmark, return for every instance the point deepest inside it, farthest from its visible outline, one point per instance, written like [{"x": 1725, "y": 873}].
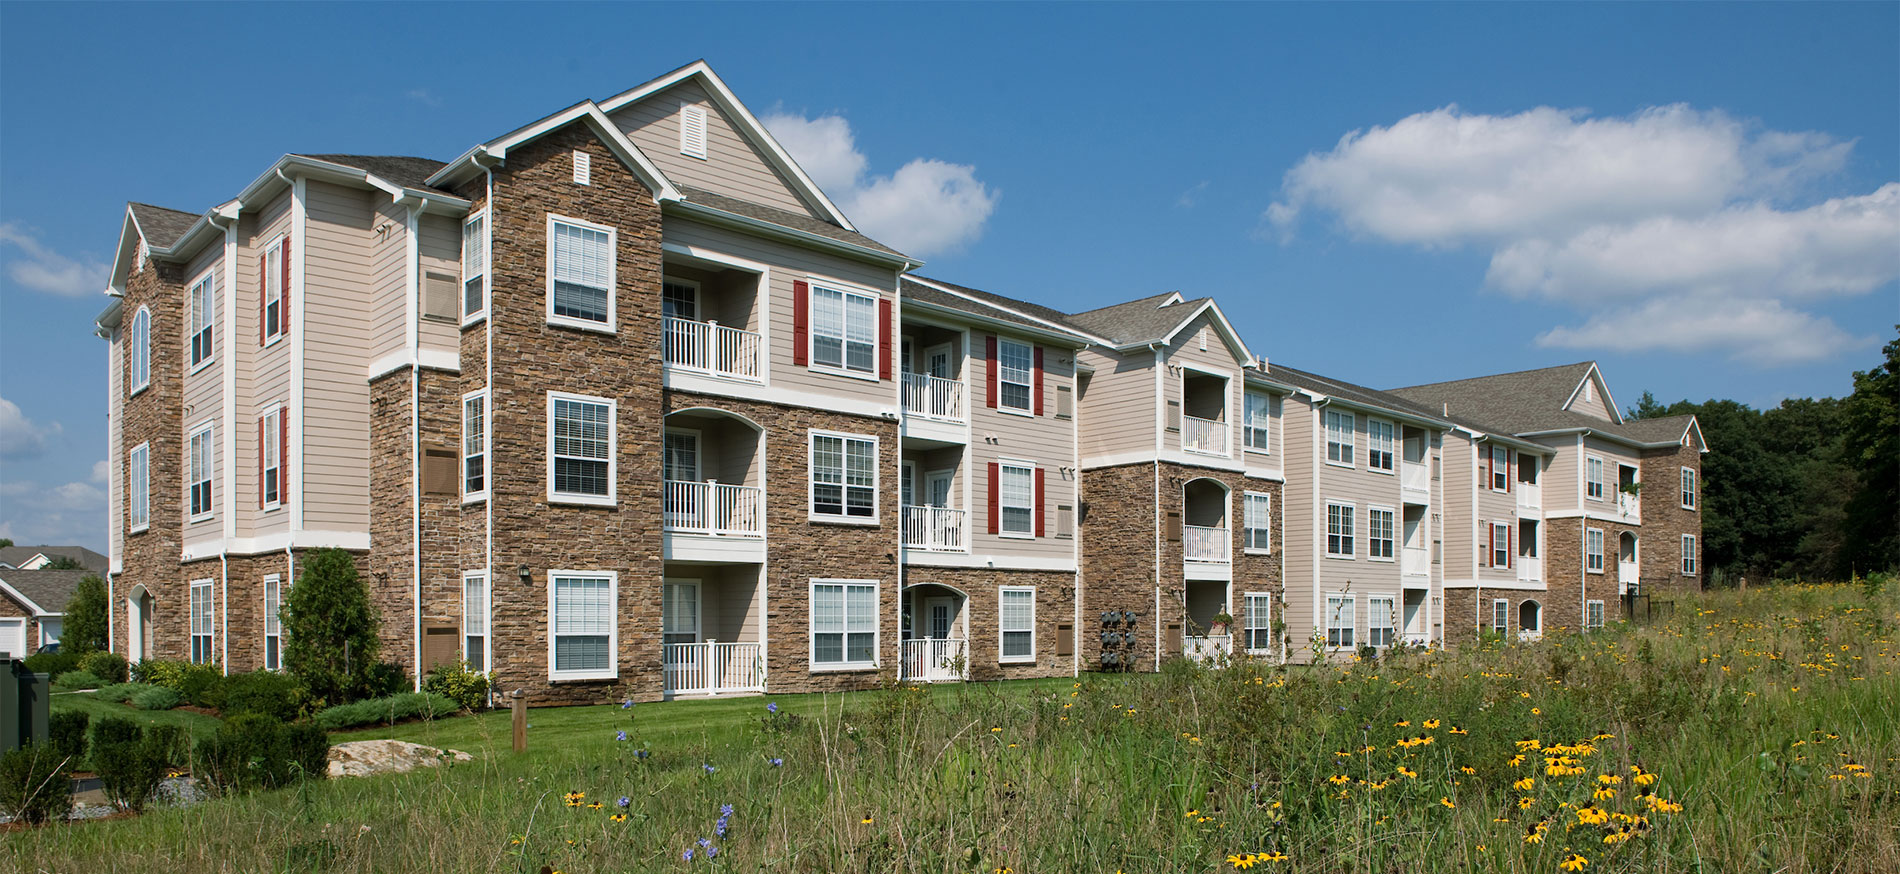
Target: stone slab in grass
[{"x": 367, "y": 758}]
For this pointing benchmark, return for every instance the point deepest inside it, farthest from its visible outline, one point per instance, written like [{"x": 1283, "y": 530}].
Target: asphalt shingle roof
[
  {"x": 1359, "y": 394},
  {"x": 783, "y": 218},
  {"x": 15, "y": 555},
  {"x": 989, "y": 304},
  {"x": 49, "y": 589},
  {"x": 403, "y": 170},
  {"x": 1138, "y": 321},
  {"x": 1517, "y": 403},
  {"x": 162, "y": 226}
]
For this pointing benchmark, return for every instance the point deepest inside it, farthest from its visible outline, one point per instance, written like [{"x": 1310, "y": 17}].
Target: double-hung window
[
  {"x": 1339, "y": 530},
  {"x": 580, "y": 274},
  {"x": 844, "y": 330},
  {"x": 475, "y": 445},
  {"x": 1256, "y": 621},
  {"x": 844, "y": 623},
  {"x": 580, "y": 449},
  {"x": 202, "y": 628},
  {"x": 138, "y": 487},
  {"x": 1593, "y": 478},
  {"x": 1339, "y": 428},
  {"x": 273, "y": 625},
  {"x": 475, "y": 619},
  {"x": 1379, "y": 526},
  {"x": 1018, "y": 612},
  {"x": 1015, "y": 374},
  {"x": 1257, "y": 519},
  {"x": 1501, "y": 544},
  {"x": 844, "y": 476},
  {"x": 1342, "y": 617},
  {"x": 274, "y": 273},
  {"x": 1592, "y": 614},
  {"x": 203, "y": 301},
  {"x": 1500, "y": 616},
  {"x": 1593, "y": 550},
  {"x": 679, "y": 613},
  {"x": 1016, "y": 500},
  {"x": 1379, "y": 445},
  {"x": 1688, "y": 488},
  {"x": 581, "y": 634},
  {"x": 1256, "y": 419},
  {"x": 270, "y": 433},
  {"x": 474, "y": 265},
  {"x": 139, "y": 349},
  {"x": 1688, "y": 554},
  {"x": 1500, "y": 469},
  {"x": 1381, "y": 620},
  {"x": 198, "y": 466}
]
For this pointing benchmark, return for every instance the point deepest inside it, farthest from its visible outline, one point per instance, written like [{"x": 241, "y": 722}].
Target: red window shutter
[
  {"x": 283, "y": 308},
  {"x": 1038, "y": 388},
  {"x": 1510, "y": 547},
  {"x": 263, "y": 301},
  {"x": 1510, "y": 468},
  {"x": 1484, "y": 467},
  {"x": 1490, "y": 544},
  {"x": 260, "y": 460},
  {"x": 801, "y": 322},
  {"x": 996, "y": 502},
  {"x": 1039, "y": 512},
  {"x": 283, "y": 455},
  {"x": 884, "y": 338},
  {"x": 989, "y": 367}
]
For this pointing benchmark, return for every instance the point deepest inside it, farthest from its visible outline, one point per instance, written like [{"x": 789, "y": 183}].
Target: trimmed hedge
[
  {"x": 268, "y": 692},
  {"x": 107, "y": 666},
  {"x": 388, "y": 710},
  {"x": 77, "y": 681},
  {"x": 34, "y": 784},
  {"x": 155, "y": 698},
  {"x": 131, "y": 760},
  {"x": 66, "y": 732},
  {"x": 119, "y": 693},
  {"x": 54, "y": 663}
]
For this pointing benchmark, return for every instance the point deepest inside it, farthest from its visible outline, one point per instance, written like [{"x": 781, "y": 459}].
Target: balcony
[
  {"x": 1415, "y": 477},
  {"x": 1530, "y": 570},
  {"x": 934, "y": 660},
  {"x": 1415, "y": 562},
  {"x": 712, "y": 349},
  {"x": 1204, "y": 436},
  {"x": 935, "y": 529},
  {"x": 1530, "y": 496},
  {"x": 714, "y": 509},
  {"x": 1207, "y": 545},
  {"x": 934, "y": 397},
  {"x": 713, "y": 668},
  {"x": 1629, "y": 506}
]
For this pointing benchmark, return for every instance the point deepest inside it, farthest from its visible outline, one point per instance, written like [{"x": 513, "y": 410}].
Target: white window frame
[
  {"x": 202, "y": 626},
  {"x": 1373, "y": 625},
  {"x": 1003, "y": 380},
  {"x": 1503, "y": 546},
  {"x": 613, "y": 249},
  {"x": 1593, "y": 485},
  {"x": 1249, "y": 501},
  {"x": 201, "y": 302},
  {"x": 811, "y": 478},
  {"x": 478, "y": 452},
  {"x": 273, "y": 452},
  {"x": 1593, "y": 547},
  {"x": 1381, "y": 445},
  {"x": 1342, "y": 636},
  {"x": 1003, "y": 630},
  {"x": 1257, "y": 428},
  {"x": 1335, "y": 445},
  {"x": 843, "y": 367},
  {"x": 1500, "y": 467},
  {"x": 1501, "y": 615},
  {"x": 1690, "y": 484},
  {"x": 201, "y": 469},
  {"x": 138, "y": 483},
  {"x": 475, "y": 613},
  {"x": 613, "y": 452},
  {"x": 811, "y": 626},
  {"x": 1005, "y": 468},
  {"x": 670, "y": 590},
  {"x": 1390, "y": 541},
  {"x": 139, "y": 348},
  {"x": 1347, "y": 533},
  {"x": 1690, "y": 560},
  {"x": 1248, "y": 628},
  {"x": 273, "y": 291},
  {"x": 555, "y": 674},
  {"x": 1592, "y": 615},
  {"x": 273, "y": 622},
  {"x": 475, "y": 250}
]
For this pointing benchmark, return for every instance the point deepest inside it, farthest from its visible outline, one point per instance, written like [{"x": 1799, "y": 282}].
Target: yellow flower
[
  {"x": 867, "y": 820},
  {"x": 1526, "y": 803},
  {"x": 995, "y": 730},
  {"x": 1467, "y": 769},
  {"x": 1525, "y": 785},
  {"x": 618, "y": 817},
  {"x": 1431, "y": 723},
  {"x": 1574, "y": 862},
  {"x": 1603, "y": 794},
  {"x": 1537, "y": 711},
  {"x": 1534, "y": 836},
  {"x": 1243, "y": 862},
  {"x": 1447, "y": 802},
  {"x": 1402, "y": 723},
  {"x": 1457, "y": 730},
  {"x": 1272, "y": 857},
  {"x": 1338, "y": 779},
  {"x": 1408, "y": 772},
  {"x": 1192, "y": 814}
]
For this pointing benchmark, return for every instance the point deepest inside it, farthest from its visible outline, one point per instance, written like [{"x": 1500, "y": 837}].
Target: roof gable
[
  {"x": 1591, "y": 397},
  {"x": 585, "y": 112},
  {"x": 734, "y": 165}
]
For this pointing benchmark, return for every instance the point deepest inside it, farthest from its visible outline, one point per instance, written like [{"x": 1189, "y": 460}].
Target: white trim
[
  {"x": 1392, "y": 541},
  {"x": 275, "y": 440},
  {"x": 144, "y": 353},
  {"x": 613, "y": 452},
  {"x": 1245, "y": 498},
  {"x": 432, "y": 359},
  {"x": 689, "y": 113},
  {"x": 1351, "y": 443},
  {"x": 993, "y": 561},
  {"x": 1603, "y": 484},
  {"x": 1513, "y": 585},
  {"x": 209, "y": 278},
  {"x": 611, "y": 325},
  {"x": 293, "y": 497},
  {"x": 487, "y": 453},
  {"x": 265, "y": 615},
  {"x": 1691, "y": 563},
  {"x": 209, "y": 428},
  {"x": 487, "y": 614},
  {"x": 486, "y": 155},
  {"x": 845, "y": 291},
  {"x": 1236, "y": 347},
  {"x": 229, "y": 412},
  {"x": 811, "y": 479},
  {"x": 811, "y": 628},
  {"x": 1266, "y": 429},
  {"x": 488, "y": 252},
  {"x": 273, "y": 328},
  {"x": 1348, "y": 601},
  {"x": 357, "y": 541},
  {"x": 1049, "y": 326},
  {"x": 1603, "y": 551},
  {"x": 1002, "y": 504},
  {"x": 1326, "y": 531},
  {"x": 145, "y": 487},
  {"x": 1001, "y": 657},
  {"x": 30, "y": 604},
  {"x": 1392, "y": 450},
  {"x": 1498, "y": 605},
  {"x": 1602, "y": 614},
  {"x": 612, "y": 670},
  {"x": 191, "y": 616},
  {"x": 1392, "y": 616},
  {"x": 1692, "y": 486}
]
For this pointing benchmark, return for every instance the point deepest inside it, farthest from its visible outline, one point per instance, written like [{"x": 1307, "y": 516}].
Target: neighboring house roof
[
  {"x": 161, "y": 226},
  {"x": 402, "y": 170},
  {"x": 784, "y": 218},
  {"x": 994, "y": 306},
  {"x": 43, "y": 591},
  {"x": 21, "y": 556}
]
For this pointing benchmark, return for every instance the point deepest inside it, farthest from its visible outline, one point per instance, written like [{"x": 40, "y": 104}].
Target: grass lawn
[{"x": 199, "y": 725}]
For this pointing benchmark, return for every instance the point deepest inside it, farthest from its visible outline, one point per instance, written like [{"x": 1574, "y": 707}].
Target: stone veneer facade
[
  {"x": 155, "y": 415},
  {"x": 1665, "y": 521}
]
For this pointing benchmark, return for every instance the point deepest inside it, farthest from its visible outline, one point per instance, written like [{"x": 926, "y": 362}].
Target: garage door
[{"x": 13, "y": 637}]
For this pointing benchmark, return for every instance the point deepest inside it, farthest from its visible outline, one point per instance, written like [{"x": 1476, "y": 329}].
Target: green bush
[
  {"x": 119, "y": 693},
  {"x": 171, "y": 741},
  {"x": 387, "y": 711},
  {"x": 460, "y": 683},
  {"x": 54, "y": 663},
  {"x": 332, "y": 629},
  {"x": 160, "y": 672},
  {"x": 255, "y": 751},
  {"x": 66, "y": 731},
  {"x": 155, "y": 698},
  {"x": 202, "y": 685},
  {"x": 307, "y": 745},
  {"x": 131, "y": 761},
  {"x": 267, "y": 692},
  {"x": 85, "y": 626},
  {"x": 77, "y": 680},
  {"x": 387, "y": 678},
  {"x": 35, "y": 786},
  {"x": 107, "y": 666}
]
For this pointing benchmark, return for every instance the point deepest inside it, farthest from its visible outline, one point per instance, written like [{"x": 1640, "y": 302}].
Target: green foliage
[
  {"x": 76, "y": 680},
  {"x": 119, "y": 693},
  {"x": 387, "y": 710},
  {"x": 268, "y": 692},
  {"x": 387, "y": 678},
  {"x": 1871, "y": 444},
  {"x": 203, "y": 686},
  {"x": 160, "y": 672},
  {"x": 255, "y": 751},
  {"x": 130, "y": 760},
  {"x": 66, "y": 731},
  {"x": 460, "y": 683},
  {"x": 155, "y": 698},
  {"x": 107, "y": 666},
  {"x": 54, "y": 663},
  {"x": 62, "y": 563},
  {"x": 84, "y": 630},
  {"x": 332, "y": 629},
  {"x": 34, "y": 784},
  {"x": 307, "y": 746}
]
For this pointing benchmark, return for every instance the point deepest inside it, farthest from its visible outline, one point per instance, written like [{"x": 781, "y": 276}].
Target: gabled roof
[
  {"x": 402, "y": 170},
  {"x": 1666, "y": 429},
  {"x": 16, "y": 556},
  {"x": 1143, "y": 320},
  {"x": 1357, "y": 395},
  {"x": 1533, "y": 402},
  {"x": 992, "y": 307},
  {"x": 784, "y": 218},
  {"x": 160, "y": 226},
  {"x": 42, "y": 591},
  {"x": 588, "y": 112}
]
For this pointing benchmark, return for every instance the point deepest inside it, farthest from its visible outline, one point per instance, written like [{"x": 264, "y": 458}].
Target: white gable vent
[
  {"x": 583, "y": 168},
  {"x": 693, "y": 130}
]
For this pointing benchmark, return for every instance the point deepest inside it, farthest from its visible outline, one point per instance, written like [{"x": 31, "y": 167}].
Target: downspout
[
  {"x": 897, "y": 386},
  {"x": 1161, "y": 421},
  {"x": 411, "y": 227},
  {"x": 224, "y": 614},
  {"x": 488, "y": 410}
]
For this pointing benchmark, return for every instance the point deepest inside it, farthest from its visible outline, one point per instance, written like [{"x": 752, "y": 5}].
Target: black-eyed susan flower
[
  {"x": 867, "y": 820},
  {"x": 1447, "y": 802},
  {"x": 1243, "y": 861},
  {"x": 1432, "y": 724},
  {"x": 1574, "y": 862}
]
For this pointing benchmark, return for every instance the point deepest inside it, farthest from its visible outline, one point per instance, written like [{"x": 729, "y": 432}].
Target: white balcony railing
[
  {"x": 1530, "y": 496},
  {"x": 1415, "y": 476},
  {"x": 711, "y": 348},
  {"x": 1206, "y": 436},
  {"x": 1211, "y": 545},
  {"x": 713, "y": 668},
  {"x": 934, "y": 529},
  {"x": 934, "y": 659},
  {"x": 1208, "y": 650},
  {"x": 1530, "y": 570},
  {"x": 714, "y": 508},
  {"x": 1626, "y": 573},
  {"x": 1628, "y": 505},
  {"x": 1415, "y": 561},
  {"x": 933, "y": 397}
]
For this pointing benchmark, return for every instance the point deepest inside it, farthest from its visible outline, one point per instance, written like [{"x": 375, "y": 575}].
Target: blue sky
[{"x": 1702, "y": 197}]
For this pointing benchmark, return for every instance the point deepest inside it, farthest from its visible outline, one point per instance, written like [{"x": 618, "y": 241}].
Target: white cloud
[
  {"x": 101, "y": 471},
  {"x": 21, "y": 437},
  {"x": 43, "y": 269},
  {"x": 423, "y": 96},
  {"x": 70, "y": 513},
  {"x": 1670, "y": 212},
  {"x": 927, "y": 207},
  {"x": 1192, "y": 196}
]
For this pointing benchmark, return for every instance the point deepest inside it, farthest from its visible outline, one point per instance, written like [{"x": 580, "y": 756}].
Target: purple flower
[
  {"x": 640, "y": 754},
  {"x": 709, "y": 768},
  {"x": 771, "y": 707},
  {"x": 627, "y": 704},
  {"x": 725, "y": 810},
  {"x": 620, "y": 735},
  {"x": 705, "y": 843},
  {"x": 777, "y": 762},
  {"x": 711, "y": 852},
  {"x": 719, "y": 829},
  {"x": 687, "y": 856},
  {"x": 623, "y": 802}
]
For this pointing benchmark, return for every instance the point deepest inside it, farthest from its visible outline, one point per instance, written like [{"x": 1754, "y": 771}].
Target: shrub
[
  {"x": 267, "y": 692},
  {"x": 77, "y": 680},
  {"x": 332, "y": 628},
  {"x": 66, "y": 731},
  {"x": 119, "y": 693},
  {"x": 84, "y": 630},
  {"x": 387, "y": 711},
  {"x": 307, "y": 745},
  {"x": 155, "y": 698},
  {"x": 131, "y": 761},
  {"x": 107, "y": 666},
  {"x": 160, "y": 672},
  {"x": 54, "y": 663},
  {"x": 255, "y": 751},
  {"x": 460, "y": 683},
  {"x": 387, "y": 678},
  {"x": 202, "y": 685},
  {"x": 34, "y": 784}
]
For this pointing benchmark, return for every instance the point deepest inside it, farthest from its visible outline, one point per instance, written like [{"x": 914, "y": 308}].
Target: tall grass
[{"x": 1769, "y": 719}]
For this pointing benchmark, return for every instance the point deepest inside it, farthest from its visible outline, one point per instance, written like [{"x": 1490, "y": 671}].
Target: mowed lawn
[{"x": 1756, "y": 732}]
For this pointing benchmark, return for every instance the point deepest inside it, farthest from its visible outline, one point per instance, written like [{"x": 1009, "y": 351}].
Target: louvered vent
[{"x": 693, "y": 130}]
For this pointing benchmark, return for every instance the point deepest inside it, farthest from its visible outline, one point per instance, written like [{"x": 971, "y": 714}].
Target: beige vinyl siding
[
  {"x": 1461, "y": 526},
  {"x": 339, "y": 241},
  {"x": 729, "y": 297},
  {"x": 1364, "y": 489},
  {"x": 1613, "y": 455},
  {"x": 263, "y": 373},
  {"x": 731, "y": 167},
  {"x": 789, "y": 264},
  {"x": 389, "y": 285},
  {"x": 1045, "y": 441},
  {"x": 1217, "y": 359},
  {"x": 1495, "y": 507},
  {"x": 204, "y": 396},
  {"x": 728, "y": 600},
  {"x": 115, "y": 435},
  {"x": 1275, "y": 456},
  {"x": 1562, "y": 480},
  {"x": 1118, "y": 411},
  {"x": 439, "y": 244},
  {"x": 1300, "y": 508},
  {"x": 1596, "y": 406}
]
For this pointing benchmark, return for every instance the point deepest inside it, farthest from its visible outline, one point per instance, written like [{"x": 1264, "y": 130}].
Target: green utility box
[{"x": 25, "y": 699}]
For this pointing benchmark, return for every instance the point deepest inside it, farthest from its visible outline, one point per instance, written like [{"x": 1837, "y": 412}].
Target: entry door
[
  {"x": 937, "y": 488},
  {"x": 940, "y": 614},
  {"x": 937, "y": 361},
  {"x": 679, "y": 463},
  {"x": 1414, "y": 612}
]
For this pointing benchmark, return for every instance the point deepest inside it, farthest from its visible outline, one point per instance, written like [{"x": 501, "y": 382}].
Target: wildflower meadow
[{"x": 1751, "y": 732}]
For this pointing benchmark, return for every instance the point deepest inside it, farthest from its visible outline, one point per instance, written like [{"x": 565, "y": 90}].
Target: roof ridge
[
  {"x": 165, "y": 208},
  {"x": 1586, "y": 362}
]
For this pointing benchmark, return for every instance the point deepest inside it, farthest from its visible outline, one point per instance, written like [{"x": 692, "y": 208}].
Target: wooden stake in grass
[{"x": 520, "y": 707}]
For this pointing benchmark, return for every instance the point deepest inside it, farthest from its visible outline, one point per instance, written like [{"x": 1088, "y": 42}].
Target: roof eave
[
  {"x": 747, "y": 223},
  {"x": 1321, "y": 399},
  {"x": 1064, "y": 338}
]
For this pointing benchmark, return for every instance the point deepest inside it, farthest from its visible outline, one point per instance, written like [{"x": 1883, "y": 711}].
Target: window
[
  {"x": 475, "y": 446},
  {"x": 475, "y": 619},
  {"x": 1015, "y": 372},
  {"x": 198, "y": 466},
  {"x": 580, "y": 274},
  {"x": 1016, "y": 500},
  {"x": 1500, "y": 469},
  {"x": 1688, "y": 555},
  {"x": 1500, "y": 616},
  {"x": 1256, "y": 417},
  {"x": 1256, "y": 621},
  {"x": 1257, "y": 520},
  {"x": 844, "y": 624},
  {"x": 843, "y": 330},
  {"x": 1500, "y": 544},
  {"x": 844, "y": 476},
  {"x": 1379, "y": 445},
  {"x": 581, "y": 620},
  {"x": 1688, "y": 488},
  {"x": 274, "y": 274},
  {"x": 203, "y": 301},
  {"x": 201, "y": 622},
  {"x": 1342, "y": 616},
  {"x": 1381, "y": 620},
  {"x": 1339, "y": 427},
  {"x": 140, "y": 350},
  {"x": 1379, "y": 539},
  {"x": 273, "y": 627},
  {"x": 138, "y": 486},
  {"x": 1593, "y": 550},
  {"x": 1339, "y": 530},
  {"x": 474, "y": 265},
  {"x": 1018, "y": 611},
  {"x": 1593, "y": 478},
  {"x": 693, "y": 130},
  {"x": 1592, "y": 614},
  {"x": 580, "y": 449},
  {"x": 270, "y": 433},
  {"x": 679, "y": 613}
]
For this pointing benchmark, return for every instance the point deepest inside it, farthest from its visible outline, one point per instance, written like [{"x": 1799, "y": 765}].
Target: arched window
[
  {"x": 1530, "y": 617},
  {"x": 139, "y": 346}
]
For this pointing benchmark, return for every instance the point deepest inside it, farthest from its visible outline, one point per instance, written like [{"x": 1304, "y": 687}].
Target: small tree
[
  {"x": 85, "y": 627},
  {"x": 63, "y": 563},
  {"x": 331, "y": 628}
]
